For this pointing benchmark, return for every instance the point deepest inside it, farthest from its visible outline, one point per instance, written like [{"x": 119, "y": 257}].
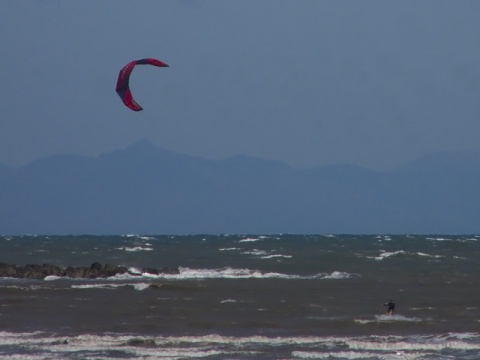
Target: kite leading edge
[{"x": 123, "y": 88}]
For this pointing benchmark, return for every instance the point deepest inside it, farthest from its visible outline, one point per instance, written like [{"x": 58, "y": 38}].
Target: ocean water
[{"x": 245, "y": 297}]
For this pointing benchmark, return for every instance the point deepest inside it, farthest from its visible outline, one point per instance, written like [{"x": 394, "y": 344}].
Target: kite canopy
[{"x": 123, "y": 88}]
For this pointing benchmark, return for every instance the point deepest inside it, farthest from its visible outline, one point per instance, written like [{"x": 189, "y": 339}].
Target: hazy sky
[{"x": 372, "y": 83}]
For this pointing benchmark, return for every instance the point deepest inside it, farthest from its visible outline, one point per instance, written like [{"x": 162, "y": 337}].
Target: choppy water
[{"x": 246, "y": 297}]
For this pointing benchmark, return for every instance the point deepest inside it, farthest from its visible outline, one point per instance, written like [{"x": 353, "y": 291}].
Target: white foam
[
  {"x": 428, "y": 255},
  {"x": 276, "y": 256},
  {"x": 387, "y": 318},
  {"x": 255, "y": 252},
  {"x": 135, "y": 248},
  {"x": 399, "y": 345},
  {"x": 251, "y": 239},
  {"x": 141, "y": 286},
  {"x": 231, "y": 273},
  {"x": 379, "y": 347},
  {"x": 97, "y": 286},
  {"x": 52, "y": 277},
  {"x": 338, "y": 275},
  {"x": 396, "y": 318},
  {"x": 384, "y": 254},
  {"x": 222, "y": 273},
  {"x": 334, "y": 355},
  {"x": 25, "y": 357},
  {"x": 136, "y": 286},
  {"x": 438, "y": 239},
  {"x": 134, "y": 270},
  {"x": 225, "y": 273}
]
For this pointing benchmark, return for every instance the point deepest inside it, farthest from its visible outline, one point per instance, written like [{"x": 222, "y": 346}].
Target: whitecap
[
  {"x": 97, "y": 286},
  {"x": 228, "y": 301},
  {"x": 231, "y": 273},
  {"x": 110, "y": 286},
  {"x": 387, "y": 318},
  {"x": 227, "y": 273},
  {"x": 135, "y": 248},
  {"x": 255, "y": 252},
  {"x": 251, "y": 239},
  {"x": 52, "y": 277},
  {"x": 141, "y": 286},
  {"x": 134, "y": 270},
  {"x": 276, "y": 256},
  {"x": 385, "y": 255},
  {"x": 380, "y": 347},
  {"x": 338, "y": 275},
  {"x": 397, "y": 343},
  {"x": 334, "y": 355},
  {"x": 428, "y": 255},
  {"x": 396, "y": 318},
  {"x": 438, "y": 239}
]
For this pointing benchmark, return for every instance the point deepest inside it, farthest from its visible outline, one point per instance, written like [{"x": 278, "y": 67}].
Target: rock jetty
[{"x": 94, "y": 271}]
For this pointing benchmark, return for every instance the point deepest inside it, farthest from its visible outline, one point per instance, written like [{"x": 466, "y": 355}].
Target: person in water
[{"x": 391, "y": 307}]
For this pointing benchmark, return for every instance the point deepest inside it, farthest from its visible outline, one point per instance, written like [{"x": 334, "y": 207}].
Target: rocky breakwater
[{"x": 94, "y": 271}]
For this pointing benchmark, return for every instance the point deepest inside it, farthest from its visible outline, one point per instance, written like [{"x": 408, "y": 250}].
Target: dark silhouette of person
[{"x": 391, "y": 307}]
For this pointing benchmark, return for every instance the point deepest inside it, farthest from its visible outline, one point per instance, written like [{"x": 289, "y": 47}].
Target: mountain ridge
[{"x": 146, "y": 189}]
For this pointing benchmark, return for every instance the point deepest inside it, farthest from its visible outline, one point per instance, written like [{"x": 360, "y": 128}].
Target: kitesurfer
[{"x": 391, "y": 307}]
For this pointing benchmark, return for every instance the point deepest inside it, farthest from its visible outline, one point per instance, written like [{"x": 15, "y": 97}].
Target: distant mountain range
[{"x": 144, "y": 189}]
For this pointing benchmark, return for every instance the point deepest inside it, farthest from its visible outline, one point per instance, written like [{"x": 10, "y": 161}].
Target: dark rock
[
  {"x": 75, "y": 272},
  {"x": 7, "y": 270},
  {"x": 150, "y": 271},
  {"x": 96, "y": 270},
  {"x": 112, "y": 270},
  {"x": 31, "y": 271},
  {"x": 96, "y": 266},
  {"x": 109, "y": 269},
  {"x": 92, "y": 274},
  {"x": 51, "y": 270},
  {"x": 119, "y": 270},
  {"x": 170, "y": 270}
]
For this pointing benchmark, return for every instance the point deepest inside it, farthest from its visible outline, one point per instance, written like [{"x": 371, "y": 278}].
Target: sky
[{"x": 374, "y": 83}]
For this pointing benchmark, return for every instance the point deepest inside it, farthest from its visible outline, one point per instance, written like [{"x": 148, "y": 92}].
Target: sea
[{"x": 245, "y": 297}]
